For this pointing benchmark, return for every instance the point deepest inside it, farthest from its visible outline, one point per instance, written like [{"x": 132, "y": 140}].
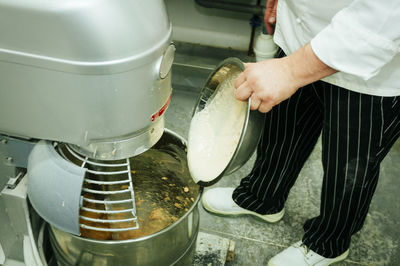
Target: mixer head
[{"x": 93, "y": 74}]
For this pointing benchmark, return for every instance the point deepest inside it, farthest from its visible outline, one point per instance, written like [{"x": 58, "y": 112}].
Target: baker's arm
[
  {"x": 272, "y": 81},
  {"x": 361, "y": 38}
]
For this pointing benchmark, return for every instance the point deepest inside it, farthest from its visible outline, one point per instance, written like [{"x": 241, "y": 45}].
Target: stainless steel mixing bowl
[
  {"x": 173, "y": 245},
  {"x": 254, "y": 121}
]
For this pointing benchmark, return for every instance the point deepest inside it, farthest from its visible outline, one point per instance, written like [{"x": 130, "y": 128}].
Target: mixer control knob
[{"x": 167, "y": 60}]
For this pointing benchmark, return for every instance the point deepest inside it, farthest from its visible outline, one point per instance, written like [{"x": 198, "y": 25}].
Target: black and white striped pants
[{"x": 357, "y": 132}]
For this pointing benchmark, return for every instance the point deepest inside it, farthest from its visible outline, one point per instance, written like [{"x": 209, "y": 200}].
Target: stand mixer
[{"x": 83, "y": 89}]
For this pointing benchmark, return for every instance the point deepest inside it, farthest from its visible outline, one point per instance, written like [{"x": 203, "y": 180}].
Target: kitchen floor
[{"x": 257, "y": 241}]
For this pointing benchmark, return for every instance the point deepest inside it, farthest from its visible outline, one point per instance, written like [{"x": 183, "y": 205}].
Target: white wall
[{"x": 214, "y": 27}]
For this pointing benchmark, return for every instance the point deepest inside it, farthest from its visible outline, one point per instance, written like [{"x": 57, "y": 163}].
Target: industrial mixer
[{"x": 83, "y": 89}]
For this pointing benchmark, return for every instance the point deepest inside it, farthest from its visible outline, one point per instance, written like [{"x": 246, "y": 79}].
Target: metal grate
[{"x": 108, "y": 199}]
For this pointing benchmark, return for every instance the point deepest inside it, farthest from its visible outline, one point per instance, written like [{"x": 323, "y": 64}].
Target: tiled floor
[{"x": 256, "y": 241}]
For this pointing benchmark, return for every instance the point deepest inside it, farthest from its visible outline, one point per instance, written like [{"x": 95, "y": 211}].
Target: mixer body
[{"x": 94, "y": 74}]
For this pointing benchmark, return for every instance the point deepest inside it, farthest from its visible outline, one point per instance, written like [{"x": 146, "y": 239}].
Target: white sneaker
[
  {"x": 219, "y": 200},
  {"x": 298, "y": 254}
]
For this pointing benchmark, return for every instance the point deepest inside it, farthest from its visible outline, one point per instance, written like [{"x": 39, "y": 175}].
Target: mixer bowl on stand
[{"x": 173, "y": 245}]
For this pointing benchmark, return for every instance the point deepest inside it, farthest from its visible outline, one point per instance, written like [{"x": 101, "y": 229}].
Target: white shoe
[
  {"x": 298, "y": 254},
  {"x": 219, "y": 200}
]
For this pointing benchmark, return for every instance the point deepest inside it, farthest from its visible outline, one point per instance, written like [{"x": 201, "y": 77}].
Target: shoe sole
[
  {"x": 273, "y": 218},
  {"x": 335, "y": 260},
  {"x": 340, "y": 257}
]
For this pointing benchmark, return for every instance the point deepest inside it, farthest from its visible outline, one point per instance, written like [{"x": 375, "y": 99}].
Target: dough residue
[{"x": 215, "y": 133}]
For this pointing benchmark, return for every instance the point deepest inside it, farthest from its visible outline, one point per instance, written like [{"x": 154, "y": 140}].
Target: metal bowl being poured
[{"x": 250, "y": 132}]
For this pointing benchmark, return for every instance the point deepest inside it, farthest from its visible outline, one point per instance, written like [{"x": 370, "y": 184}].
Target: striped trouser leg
[
  {"x": 291, "y": 131},
  {"x": 357, "y": 133}
]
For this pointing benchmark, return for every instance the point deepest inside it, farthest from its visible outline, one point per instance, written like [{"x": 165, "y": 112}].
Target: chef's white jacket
[{"x": 359, "y": 38}]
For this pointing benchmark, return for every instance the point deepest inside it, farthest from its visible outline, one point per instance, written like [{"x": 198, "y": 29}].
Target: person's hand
[
  {"x": 272, "y": 81},
  {"x": 267, "y": 83},
  {"x": 270, "y": 16}
]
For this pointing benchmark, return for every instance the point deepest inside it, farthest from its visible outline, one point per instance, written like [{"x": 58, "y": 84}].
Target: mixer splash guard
[
  {"x": 54, "y": 186},
  {"x": 108, "y": 198}
]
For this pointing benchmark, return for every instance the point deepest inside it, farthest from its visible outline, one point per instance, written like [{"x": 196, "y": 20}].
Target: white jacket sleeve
[{"x": 361, "y": 38}]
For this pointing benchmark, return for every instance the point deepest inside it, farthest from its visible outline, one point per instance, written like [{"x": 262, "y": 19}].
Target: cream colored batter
[{"x": 215, "y": 133}]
